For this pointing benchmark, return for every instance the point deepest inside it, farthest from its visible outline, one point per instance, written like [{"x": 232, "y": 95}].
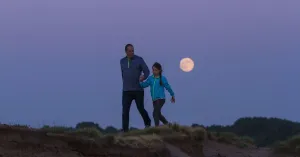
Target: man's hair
[{"x": 126, "y": 47}]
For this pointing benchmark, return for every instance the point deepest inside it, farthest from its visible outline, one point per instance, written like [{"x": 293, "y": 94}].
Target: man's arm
[
  {"x": 146, "y": 83},
  {"x": 145, "y": 69},
  {"x": 121, "y": 68}
]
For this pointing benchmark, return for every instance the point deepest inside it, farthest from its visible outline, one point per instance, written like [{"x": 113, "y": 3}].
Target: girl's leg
[
  {"x": 156, "y": 112},
  {"x": 161, "y": 117},
  {"x": 157, "y": 116}
]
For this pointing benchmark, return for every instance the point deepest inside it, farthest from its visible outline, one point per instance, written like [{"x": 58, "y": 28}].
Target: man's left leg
[
  {"x": 139, "y": 100},
  {"x": 127, "y": 98}
]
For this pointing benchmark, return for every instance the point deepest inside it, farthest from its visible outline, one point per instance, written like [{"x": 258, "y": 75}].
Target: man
[{"x": 131, "y": 67}]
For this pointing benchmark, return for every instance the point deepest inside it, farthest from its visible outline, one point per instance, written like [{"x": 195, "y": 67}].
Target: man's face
[{"x": 130, "y": 51}]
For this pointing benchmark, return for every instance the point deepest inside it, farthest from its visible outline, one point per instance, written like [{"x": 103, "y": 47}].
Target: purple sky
[{"x": 59, "y": 59}]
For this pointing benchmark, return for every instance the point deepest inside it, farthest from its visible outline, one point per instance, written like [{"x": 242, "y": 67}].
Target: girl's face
[{"x": 155, "y": 71}]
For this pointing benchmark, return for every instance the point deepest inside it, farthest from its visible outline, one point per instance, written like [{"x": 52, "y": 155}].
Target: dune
[{"x": 164, "y": 141}]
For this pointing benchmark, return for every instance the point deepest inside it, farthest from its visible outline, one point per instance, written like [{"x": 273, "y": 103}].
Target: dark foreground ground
[{"x": 167, "y": 141}]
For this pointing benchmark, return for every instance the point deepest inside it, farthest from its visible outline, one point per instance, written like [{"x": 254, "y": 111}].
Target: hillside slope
[
  {"x": 166, "y": 141},
  {"x": 264, "y": 131},
  {"x": 216, "y": 149}
]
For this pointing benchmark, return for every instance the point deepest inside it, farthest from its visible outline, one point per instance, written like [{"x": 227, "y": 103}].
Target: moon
[{"x": 186, "y": 64}]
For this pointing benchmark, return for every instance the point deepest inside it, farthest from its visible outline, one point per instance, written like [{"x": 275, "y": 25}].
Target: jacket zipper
[
  {"x": 128, "y": 64},
  {"x": 153, "y": 88}
]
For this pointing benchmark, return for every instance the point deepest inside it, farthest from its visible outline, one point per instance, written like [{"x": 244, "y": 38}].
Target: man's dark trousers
[{"x": 127, "y": 98}]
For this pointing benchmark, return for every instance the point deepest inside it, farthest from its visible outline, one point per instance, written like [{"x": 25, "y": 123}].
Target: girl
[{"x": 157, "y": 83}]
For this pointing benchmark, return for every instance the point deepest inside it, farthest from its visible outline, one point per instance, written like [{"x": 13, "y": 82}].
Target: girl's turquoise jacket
[{"x": 157, "y": 90}]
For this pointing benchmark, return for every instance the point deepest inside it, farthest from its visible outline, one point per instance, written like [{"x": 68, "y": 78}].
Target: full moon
[{"x": 186, "y": 64}]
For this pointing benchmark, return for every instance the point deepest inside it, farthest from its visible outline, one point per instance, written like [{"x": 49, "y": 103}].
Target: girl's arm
[
  {"x": 146, "y": 83},
  {"x": 167, "y": 86}
]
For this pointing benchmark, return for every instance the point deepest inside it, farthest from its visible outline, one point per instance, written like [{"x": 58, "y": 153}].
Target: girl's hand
[
  {"x": 142, "y": 78},
  {"x": 173, "y": 99}
]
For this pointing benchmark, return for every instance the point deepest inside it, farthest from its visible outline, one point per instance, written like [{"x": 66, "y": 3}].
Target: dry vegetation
[
  {"x": 89, "y": 141},
  {"x": 290, "y": 146},
  {"x": 150, "y": 136},
  {"x": 136, "y": 138},
  {"x": 197, "y": 133},
  {"x": 231, "y": 138}
]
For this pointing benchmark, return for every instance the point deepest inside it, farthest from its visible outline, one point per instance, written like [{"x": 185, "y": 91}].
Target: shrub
[
  {"x": 82, "y": 125},
  {"x": 161, "y": 130},
  {"x": 21, "y": 126},
  {"x": 231, "y": 138},
  {"x": 291, "y": 146},
  {"x": 247, "y": 139},
  {"x": 226, "y": 137},
  {"x": 57, "y": 129},
  {"x": 197, "y": 133},
  {"x": 88, "y": 132}
]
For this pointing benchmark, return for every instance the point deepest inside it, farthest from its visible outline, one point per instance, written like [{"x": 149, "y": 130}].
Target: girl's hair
[{"x": 159, "y": 67}]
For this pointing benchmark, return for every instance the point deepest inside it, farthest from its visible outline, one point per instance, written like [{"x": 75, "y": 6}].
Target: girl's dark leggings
[{"x": 157, "y": 116}]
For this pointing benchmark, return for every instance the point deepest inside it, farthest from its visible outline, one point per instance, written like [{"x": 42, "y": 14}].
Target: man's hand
[
  {"x": 173, "y": 99},
  {"x": 142, "y": 78}
]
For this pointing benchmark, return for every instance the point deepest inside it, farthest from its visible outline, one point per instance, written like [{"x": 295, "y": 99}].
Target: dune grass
[
  {"x": 57, "y": 129},
  {"x": 152, "y": 136},
  {"x": 231, "y": 138},
  {"x": 155, "y": 136},
  {"x": 196, "y": 133},
  {"x": 85, "y": 132},
  {"x": 149, "y": 137},
  {"x": 290, "y": 146}
]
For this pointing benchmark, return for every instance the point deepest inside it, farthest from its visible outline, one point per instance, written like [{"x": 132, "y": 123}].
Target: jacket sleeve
[
  {"x": 146, "y": 83},
  {"x": 121, "y": 68},
  {"x": 145, "y": 68},
  {"x": 167, "y": 86}
]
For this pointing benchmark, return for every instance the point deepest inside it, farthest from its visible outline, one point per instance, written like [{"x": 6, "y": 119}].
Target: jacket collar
[
  {"x": 155, "y": 77},
  {"x": 132, "y": 58}
]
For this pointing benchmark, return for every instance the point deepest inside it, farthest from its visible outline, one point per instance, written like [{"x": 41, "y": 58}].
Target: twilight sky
[{"x": 59, "y": 59}]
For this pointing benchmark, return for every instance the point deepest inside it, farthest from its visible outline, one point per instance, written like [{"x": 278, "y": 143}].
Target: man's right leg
[{"x": 127, "y": 98}]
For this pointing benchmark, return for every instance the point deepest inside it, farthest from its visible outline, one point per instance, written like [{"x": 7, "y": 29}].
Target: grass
[
  {"x": 290, "y": 146},
  {"x": 147, "y": 141},
  {"x": 88, "y": 132},
  {"x": 153, "y": 135},
  {"x": 231, "y": 138},
  {"x": 20, "y": 126},
  {"x": 150, "y": 137},
  {"x": 197, "y": 133},
  {"x": 85, "y": 132}
]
